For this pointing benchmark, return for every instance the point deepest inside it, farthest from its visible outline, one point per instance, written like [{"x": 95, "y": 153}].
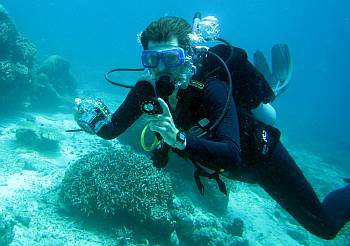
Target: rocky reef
[
  {"x": 23, "y": 82},
  {"x": 54, "y": 83},
  {"x": 16, "y": 62},
  {"x": 6, "y": 229}
]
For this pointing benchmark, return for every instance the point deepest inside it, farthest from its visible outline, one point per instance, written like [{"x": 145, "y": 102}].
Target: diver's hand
[{"x": 164, "y": 124}]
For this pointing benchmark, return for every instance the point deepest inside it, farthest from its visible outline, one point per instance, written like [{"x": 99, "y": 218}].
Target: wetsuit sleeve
[
  {"x": 127, "y": 113},
  {"x": 221, "y": 150}
]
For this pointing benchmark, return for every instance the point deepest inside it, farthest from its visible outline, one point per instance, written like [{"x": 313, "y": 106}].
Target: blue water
[{"x": 313, "y": 113}]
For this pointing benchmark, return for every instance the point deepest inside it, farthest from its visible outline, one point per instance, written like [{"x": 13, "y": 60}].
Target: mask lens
[
  {"x": 170, "y": 58},
  {"x": 173, "y": 57},
  {"x": 150, "y": 59}
]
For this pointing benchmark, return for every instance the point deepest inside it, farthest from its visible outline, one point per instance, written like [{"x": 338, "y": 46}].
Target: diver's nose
[{"x": 161, "y": 66}]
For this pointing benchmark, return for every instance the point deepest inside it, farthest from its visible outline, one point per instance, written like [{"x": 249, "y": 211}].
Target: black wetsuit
[{"x": 232, "y": 146}]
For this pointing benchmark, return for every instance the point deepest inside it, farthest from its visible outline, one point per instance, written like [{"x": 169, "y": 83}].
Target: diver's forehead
[{"x": 171, "y": 43}]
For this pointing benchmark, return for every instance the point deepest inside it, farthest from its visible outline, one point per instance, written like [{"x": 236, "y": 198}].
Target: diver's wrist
[{"x": 180, "y": 142}]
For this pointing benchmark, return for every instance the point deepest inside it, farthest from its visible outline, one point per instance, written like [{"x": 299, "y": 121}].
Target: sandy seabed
[{"x": 30, "y": 180}]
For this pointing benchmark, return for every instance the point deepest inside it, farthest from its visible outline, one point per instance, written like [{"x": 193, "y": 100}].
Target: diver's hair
[{"x": 166, "y": 28}]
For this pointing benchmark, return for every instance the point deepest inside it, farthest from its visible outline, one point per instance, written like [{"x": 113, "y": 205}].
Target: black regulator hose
[
  {"x": 229, "y": 95},
  {"x": 227, "y": 60},
  {"x": 121, "y": 70}
]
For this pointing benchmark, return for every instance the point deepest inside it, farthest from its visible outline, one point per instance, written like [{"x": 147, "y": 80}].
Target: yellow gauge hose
[{"x": 143, "y": 144}]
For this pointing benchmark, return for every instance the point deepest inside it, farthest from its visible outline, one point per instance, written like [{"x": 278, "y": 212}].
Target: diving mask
[{"x": 170, "y": 57}]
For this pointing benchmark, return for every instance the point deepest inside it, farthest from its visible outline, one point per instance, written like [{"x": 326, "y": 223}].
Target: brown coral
[
  {"x": 122, "y": 184},
  {"x": 8, "y": 31}
]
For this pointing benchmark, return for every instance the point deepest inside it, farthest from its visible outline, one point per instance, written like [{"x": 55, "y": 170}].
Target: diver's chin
[{"x": 164, "y": 86}]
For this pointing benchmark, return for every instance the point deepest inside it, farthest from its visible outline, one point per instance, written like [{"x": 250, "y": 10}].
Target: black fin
[
  {"x": 282, "y": 67},
  {"x": 261, "y": 64}
]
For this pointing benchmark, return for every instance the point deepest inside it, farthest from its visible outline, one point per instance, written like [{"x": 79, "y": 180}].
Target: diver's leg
[{"x": 284, "y": 181}]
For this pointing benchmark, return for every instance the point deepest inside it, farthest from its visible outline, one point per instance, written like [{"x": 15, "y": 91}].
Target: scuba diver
[{"x": 207, "y": 105}]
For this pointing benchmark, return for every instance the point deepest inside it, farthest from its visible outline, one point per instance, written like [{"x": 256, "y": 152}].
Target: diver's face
[{"x": 162, "y": 69}]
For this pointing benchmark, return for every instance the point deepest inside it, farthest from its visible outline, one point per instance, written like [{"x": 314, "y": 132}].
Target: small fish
[{"x": 27, "y": 104}]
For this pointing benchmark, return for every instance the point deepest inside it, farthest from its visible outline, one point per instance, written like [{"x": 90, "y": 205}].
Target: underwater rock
[
  {"x": 52, "y": 86},
  {"x": 13, "y": 76},
  {"x": 57, "y": 71},
  {"x": 15, "y": 80},
  {"x": 27, "y": 165},
  {"x": 185, "y": 224},
  {"x": 13, "y": 46},
  {"x": 45, "y": 96},
  {"x": 31, "y": 139},
  {"x": 195, "y": 227},
  {"x": 16, "y": 64},
  {"x": 23, "y": 219},
  {"x": 298, "y": 235},
  {"x": 214, "y": 236},
  {"x": 183, "y": 213},
  {"x": 55, "y": 67},
  {"x": 236, "y": 228},
  {"x": 123, "y": 185},
  {"x": 8, "y": 31},
  {"x": 24, "y": 51},
  {"x": 6, "y": 229},
  {"x": 26, "y": 137}
]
